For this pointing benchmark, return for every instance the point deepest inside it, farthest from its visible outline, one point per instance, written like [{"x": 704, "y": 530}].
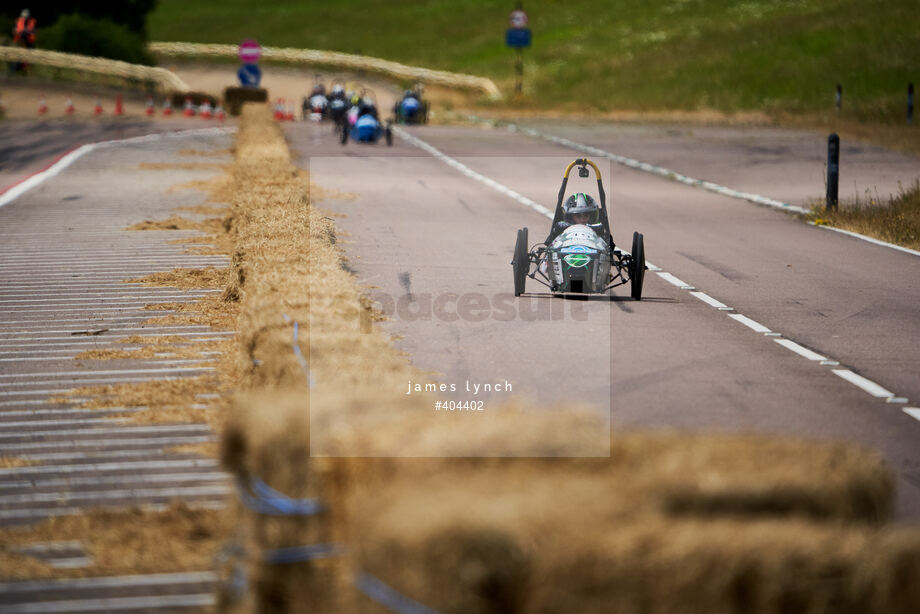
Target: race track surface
[{"x": 420, "y": 234}]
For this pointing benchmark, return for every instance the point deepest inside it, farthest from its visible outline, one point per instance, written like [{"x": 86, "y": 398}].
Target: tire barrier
[{"x": 335, "y": 58}]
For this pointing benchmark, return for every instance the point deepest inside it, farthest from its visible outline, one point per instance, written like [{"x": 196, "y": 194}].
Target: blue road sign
[
  {"x": 517, "y": 37},
  {"x": 250, "y": 75}
]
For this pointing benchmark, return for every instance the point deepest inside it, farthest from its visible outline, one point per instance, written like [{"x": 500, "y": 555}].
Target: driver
[{"x": 578, "y": 209}]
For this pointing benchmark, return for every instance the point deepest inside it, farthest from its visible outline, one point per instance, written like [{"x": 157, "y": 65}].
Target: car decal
[{"x": 577, "y": 260}]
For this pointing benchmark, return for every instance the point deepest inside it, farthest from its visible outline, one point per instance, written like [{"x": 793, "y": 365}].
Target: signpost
[
  {"x": 249, "y": 74},
  {"x": 518, "y": 37}
]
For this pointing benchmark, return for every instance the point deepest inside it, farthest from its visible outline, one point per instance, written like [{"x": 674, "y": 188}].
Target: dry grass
[
  {"x": 185, "y": 279},
  {"x": 896, "y": 221},
  {"x": 120, "y": 542}
]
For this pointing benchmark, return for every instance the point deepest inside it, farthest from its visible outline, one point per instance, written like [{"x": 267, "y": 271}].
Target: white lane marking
[
  {"x": 471, "y": 173},
  {"x": 64, "y": 412},
  {"x": 674, "y": 281},
  {"x": 709, "y": 300},
  {"x": 42, "y": 513},
  {"x": 69, "y": 158},
  {"x": 69, "y": 584},
  {"x": 128, "y": 493},
  {"x": 913, "y": 412},
  {"x": 115, "y": 430},
  {"x": 755, "y": 326},
  {"x": 863, "y": 383},
  {"x": 105, "y": 604},
  {"x": 857, "y": 380},
  {"x": 53, "y": 424},
  {"x": 127, "y": 331},
  {"x": 107, "y": 444},
  {"x": 798, "y": 349},
  {"x": 96, "y": 480},
  {"x": 130, "y": 466},
  {"x": 872, "y": 240},
  {"x": 96, "y": 373},
  {"x": 661, "y": 171},
  {"x": 99, "y": 299}
]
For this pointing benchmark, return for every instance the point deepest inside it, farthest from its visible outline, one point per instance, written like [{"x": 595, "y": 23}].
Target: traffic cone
[
  {"x": 149, "y": 106},
  {"x": 188, "y": 111},
  {"x": 290, "y": 113},
  {"x": 279, "y": 110},
  {"x": 97, "y": 109},
  {"x": 119, "y": 110},
  {"x": 221, "y": 116},
  {"x": 205, "y": 110},
  {"x": 68, "y": 106},
  {"x": 42, "y": 106},
  {"x": 167, "y": 107}
]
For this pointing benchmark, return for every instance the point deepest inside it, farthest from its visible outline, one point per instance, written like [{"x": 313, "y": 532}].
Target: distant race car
[
  {"x": 366, "y": 126},
  {"x": 579, "y": 255},
  {"x": 316, "y": 106},
  {"x": 411, "y": 109},
  {"x": 338, "y": 104}
]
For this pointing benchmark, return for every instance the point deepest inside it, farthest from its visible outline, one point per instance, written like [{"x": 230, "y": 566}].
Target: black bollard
[
  {"x": 838, "y": 98},
  {"x": 910, "y": 103},
  {"x": 833, "y": 170}
]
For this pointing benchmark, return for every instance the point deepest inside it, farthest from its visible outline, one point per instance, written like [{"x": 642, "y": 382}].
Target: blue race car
[
  {"x": 367, "y": 127},
  {"x": 411, "y": 109}
]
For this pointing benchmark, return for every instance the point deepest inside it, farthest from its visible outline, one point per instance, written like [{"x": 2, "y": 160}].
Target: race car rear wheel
[
  {"x": 389, "y": 136},
  {"x": 521, "y": 262},
  {"x": 637, "y": 266},
  {"x": 344, "y": 132}
]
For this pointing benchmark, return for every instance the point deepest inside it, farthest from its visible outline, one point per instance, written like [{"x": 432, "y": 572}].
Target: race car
[
  {"x": 411, "y": 109},
  {"x": 366, "y": 126},
  {"x": 316, "y": 106},
  {"x": 579, "y": 255},
  {"x": 338, "y": 104}
]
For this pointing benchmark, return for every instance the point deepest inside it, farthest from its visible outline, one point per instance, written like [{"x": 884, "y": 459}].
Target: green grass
[
  {"x": 768, "y": 55},
  {"x": 896, "y": 221}
]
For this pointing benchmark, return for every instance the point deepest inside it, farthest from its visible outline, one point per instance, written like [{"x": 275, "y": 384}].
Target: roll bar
[{"x": 583, "y": 164}]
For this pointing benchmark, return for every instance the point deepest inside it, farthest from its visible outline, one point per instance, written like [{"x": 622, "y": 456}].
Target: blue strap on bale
[
  {"x": 389, "y": 597},
  {"x": 298, "y": 353},
  {"x": 263, "y": 499},
  {"x": 299, "y": 554}
]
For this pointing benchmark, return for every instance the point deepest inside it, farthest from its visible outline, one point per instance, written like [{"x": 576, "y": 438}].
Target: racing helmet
[{"x": 581, "y": 204}]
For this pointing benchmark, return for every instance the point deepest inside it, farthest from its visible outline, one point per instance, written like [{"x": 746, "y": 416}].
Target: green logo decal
[{"x": 577, "y": 260}]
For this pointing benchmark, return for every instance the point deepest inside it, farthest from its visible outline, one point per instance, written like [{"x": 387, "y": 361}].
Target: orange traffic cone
[
  {"x": 279, "y": 110},
  {"x": 68, "y": 106},
  {"x": 205, "y": 110},
  {"x": 149, "y": 106},
  {"x": 188, "y": 111},
  {"x": 221, "y": 116},
  {"x": 97, "y": 109},
  {"x": 118, "y": 106},
  {"x": 42, "y": 106},
  {"x": 167, "y": 107},
  {"x": 289, "y": 116}
]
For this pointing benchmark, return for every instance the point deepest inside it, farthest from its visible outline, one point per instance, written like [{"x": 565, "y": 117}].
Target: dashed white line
[
  {"x": 674, "y": 281},
  {"x": 863, "y": 383},
  {"x": 709, "y": 300},
  {"x": 798, "y": 349},
  {"x": 755, "y": 326},
  {"x": 913, "y": 412}
]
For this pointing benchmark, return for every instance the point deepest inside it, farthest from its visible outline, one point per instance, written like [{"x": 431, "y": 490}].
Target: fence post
[
  {"x": 833, "y": 170},
  {"x": 910, "y": 103}
]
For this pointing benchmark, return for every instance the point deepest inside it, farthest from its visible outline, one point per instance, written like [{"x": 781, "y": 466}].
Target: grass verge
[{"x": 896, "y": 221}]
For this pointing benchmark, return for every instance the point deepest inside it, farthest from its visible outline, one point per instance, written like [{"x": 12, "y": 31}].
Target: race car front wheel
[
  {"x": 521, "y": 262},
  {"x": 389, "y": 136},
  {"x": 344, "y": 132},
  {"x": 637, "y": 266}
]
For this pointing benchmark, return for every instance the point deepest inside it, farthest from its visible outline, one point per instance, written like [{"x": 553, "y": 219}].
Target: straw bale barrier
[
  {"x": 640, "y": 522},
  {"x": 394, "y": 70},
  {"x": 167, "y": 80}
]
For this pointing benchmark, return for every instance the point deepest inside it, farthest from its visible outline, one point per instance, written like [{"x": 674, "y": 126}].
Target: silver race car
[{"x": 579, "y": 255}]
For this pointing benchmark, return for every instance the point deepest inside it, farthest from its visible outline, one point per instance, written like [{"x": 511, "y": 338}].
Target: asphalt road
[
  {"x": 416, "y": 230},
  {"x": 64, "y": 259}
]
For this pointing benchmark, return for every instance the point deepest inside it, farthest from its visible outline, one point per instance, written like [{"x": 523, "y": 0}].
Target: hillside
[{"x": 773, "y": 56}]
